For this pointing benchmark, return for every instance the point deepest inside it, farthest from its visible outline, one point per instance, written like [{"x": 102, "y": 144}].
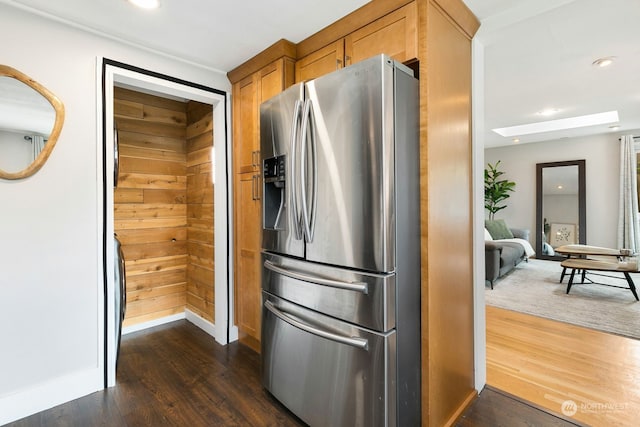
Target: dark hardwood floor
[
  {"x": 177, "y": 375},
  {"x": 493, "y": 408}
]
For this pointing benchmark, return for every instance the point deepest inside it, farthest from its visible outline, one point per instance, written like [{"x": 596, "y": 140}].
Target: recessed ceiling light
[
  {"x": 614, "y": 127},
  {"x": 146, "y": 4},
  {"x": 560, "y": 124},
  {"x": 559, "y": 187},
  {"x": 548, "y": 112},
  {"x": 516, "y": 139},
  {"x": 603, "y": 62}
]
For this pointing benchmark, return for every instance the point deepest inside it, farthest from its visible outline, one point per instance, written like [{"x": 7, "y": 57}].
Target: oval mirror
[{"x": 31, "y": 119}]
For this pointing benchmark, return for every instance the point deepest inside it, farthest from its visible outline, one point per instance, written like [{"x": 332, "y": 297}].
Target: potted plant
[{"x": 496, "y": 190}]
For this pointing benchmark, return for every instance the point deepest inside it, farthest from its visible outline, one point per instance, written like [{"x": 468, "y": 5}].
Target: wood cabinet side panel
[
  {"x": 446, "y": 206},
  {"x": 460, "y": 13}
]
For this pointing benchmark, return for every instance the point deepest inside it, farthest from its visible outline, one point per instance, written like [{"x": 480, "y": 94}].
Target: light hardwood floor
[{"x": 548, "y": 363}]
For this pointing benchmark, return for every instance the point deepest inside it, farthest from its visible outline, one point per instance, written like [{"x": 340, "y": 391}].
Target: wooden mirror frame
[
  {"x": 58, "y": 107},
  {"x": 582, "y": 205}
]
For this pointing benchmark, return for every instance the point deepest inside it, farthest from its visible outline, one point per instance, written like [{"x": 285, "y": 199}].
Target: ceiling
[
  {"x": 219, "y": 35},
  {"x": 537, "y": 54}
]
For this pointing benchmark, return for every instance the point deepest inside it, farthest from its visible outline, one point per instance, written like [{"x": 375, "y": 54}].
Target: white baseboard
[
  {"x": 189, "y": 315},
  {"x": 200, "y": 322},
  {"x": 49, "y": 394},
  {"x": 151, "y": 323},
  {"x": 233, "y": 334}
]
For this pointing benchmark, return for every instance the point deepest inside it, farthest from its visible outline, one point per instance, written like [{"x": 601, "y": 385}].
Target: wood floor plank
[
  {"x": 496, "y": 409},
  {"x": 548, "y": 363},
  {"x": 177, "y": 375}
]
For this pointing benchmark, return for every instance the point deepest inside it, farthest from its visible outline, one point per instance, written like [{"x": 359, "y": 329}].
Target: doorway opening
[{"x": 165, "y": 145}]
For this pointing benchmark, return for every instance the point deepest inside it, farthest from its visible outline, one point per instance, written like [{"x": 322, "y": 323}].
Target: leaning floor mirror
[
  {"x": 31, "y": 119},
  {"x": 560, "y": 207}
]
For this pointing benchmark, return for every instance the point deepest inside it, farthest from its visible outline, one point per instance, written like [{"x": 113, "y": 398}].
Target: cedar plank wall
[
  {"x": 200, "y": 294},
  {"x": 150, "y": 209}
]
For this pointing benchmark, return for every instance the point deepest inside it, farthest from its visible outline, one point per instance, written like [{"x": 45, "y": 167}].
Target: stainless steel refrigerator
[{"x": 341, "y": 247}]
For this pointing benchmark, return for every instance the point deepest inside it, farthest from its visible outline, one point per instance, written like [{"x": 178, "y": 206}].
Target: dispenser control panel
[{"x": 274, "y": 169}]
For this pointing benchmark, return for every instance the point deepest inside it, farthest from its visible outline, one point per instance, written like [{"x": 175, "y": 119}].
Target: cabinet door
[
  {"x": 271, "y": 81},
  {"x": 320, "y": 62},
  {"x": 248, "y": 94},
  {"x": 245, "y": 125},
  {"x": 394, "y": 34},
  {"x": 247, "y": 258}
]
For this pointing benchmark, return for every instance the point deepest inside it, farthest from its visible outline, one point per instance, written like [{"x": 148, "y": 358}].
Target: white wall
[
  {"x": 50, "y": 274},
  {"x": 601, "y": 153}
]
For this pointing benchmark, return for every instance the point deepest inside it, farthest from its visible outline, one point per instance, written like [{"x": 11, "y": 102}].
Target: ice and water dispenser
[{"x": 274, "y": 197}]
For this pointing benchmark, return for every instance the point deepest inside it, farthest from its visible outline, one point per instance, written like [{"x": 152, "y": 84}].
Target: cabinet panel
[
  {"x": 394, "y": 34},
  {"x": 271, "y": 81},
  {"x": 247, "y": 255},
  {"x": 320, "y": 62},
  {"x": 249, "y": 93},
  {"x": 245, "y": 129}
]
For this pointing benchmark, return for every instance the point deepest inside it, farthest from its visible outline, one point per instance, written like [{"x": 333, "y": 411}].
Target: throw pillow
[
  {"x": 487, "y": 235},
  {"x": 498, "y": 229}
]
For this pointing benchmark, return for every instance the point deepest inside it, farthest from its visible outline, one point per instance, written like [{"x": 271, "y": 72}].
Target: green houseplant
[{"x": 496, "y": 190}]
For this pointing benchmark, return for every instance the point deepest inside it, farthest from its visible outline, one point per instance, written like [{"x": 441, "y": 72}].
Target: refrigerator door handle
[
  {"x": 357, "y": 342},
  {"x": 349, "y": 286},
  {"x": 308, "y": 212},
  {"x": 314, "y": 153},
  {"x": 295, "y": 212}
]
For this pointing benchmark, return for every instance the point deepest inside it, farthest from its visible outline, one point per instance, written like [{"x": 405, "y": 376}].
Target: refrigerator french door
[{"x": 341, "y": 252}]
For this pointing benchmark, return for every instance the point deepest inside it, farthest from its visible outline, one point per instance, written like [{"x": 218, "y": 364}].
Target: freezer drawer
[
  {"x": 327, "y": 372},
  {"x": 365, "y": 299}
]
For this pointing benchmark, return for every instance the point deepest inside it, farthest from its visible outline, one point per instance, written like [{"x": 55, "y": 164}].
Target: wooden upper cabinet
[
  {"x": 245, "y": 128},
  {"x": 320, "y": 62},
  {"x": 272, "y": 80},
  {"x": 395, "y": 34},
  {"x": 248, "y": 94}
]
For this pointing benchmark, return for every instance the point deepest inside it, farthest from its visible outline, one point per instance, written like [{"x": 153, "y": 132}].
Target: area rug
[{"x": 533, "y": 288}]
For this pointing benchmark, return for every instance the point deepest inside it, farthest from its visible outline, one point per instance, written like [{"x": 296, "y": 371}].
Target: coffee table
[
  {"x": 578, "y": 259},
  {"x": 584, "y": 251}
]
